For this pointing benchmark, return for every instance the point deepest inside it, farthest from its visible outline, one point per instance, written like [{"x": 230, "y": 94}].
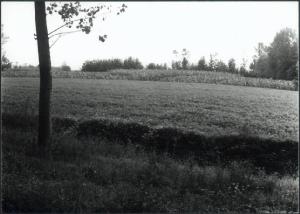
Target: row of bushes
[
  {"x": 64, "y": 67},
  {"x": 131, "y": 63},
  {"x": 153, "y": 66},
  {"x": 110, "y": 64}
]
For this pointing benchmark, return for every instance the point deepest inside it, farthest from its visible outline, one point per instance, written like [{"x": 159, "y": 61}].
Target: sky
[{"x": 151, "y": 31}]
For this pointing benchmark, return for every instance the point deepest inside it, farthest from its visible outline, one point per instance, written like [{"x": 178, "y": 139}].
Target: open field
[
  {"x": 212, "y": 110},
  {"x": 100, "y": 162},
  {"x": 94, "y": 175},
  {"x": 187, "y": 76}
]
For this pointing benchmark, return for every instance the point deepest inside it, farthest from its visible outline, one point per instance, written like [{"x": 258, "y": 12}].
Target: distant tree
[
  {"x": 212, "y": 62},
  {"x": 185, "y": 54},
  {"x": 232, "y": 66},
  {"x": 202, "y": 66},
  {"x": 221, "y": 66},
  {"x": 243, "y": 69},
  {"x": 176, "y": 65},
  {"x": 131, "y": 63},
  {"x": 165, "y": 66},
  {"x": 184, "y": 63},
  {"x": 181, "y": 59},
  {"x": 102, "y": 65},
  {"x": 67, "y": 12},
  {"x": 260, "y": 64},
  {"x": 280, "y": 59},
  {"x": 283, "y": 55},
  {"x": 261, "y": 49},
  {"x": 152, "y": 66},
  {"x": 5, "y": 63},
  {"x": 3, "y": 38},
  {"x": 65, "y": 67}
]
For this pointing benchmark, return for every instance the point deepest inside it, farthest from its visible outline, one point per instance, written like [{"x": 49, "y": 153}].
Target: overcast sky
[{"x": 152, "y": 30}]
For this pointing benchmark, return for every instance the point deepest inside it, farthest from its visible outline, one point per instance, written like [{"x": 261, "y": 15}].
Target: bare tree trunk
[{"x": 45, "y": 77}]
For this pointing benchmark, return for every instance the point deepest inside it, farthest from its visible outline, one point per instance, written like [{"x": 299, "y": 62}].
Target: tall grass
[
  {"x": 188, "y": 76},
  {"x": 270, "y": 155},
  {"x": 92, "y": 175}
]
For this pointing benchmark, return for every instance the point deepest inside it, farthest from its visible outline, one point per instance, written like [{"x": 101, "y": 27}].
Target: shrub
[
  {"x": 176, "y": 65},
  {"x": 102, "y": 65},
  {"x": 153, "y": 66},
  {"x": 5, "y": 63},
  {"x": 202, "y": 66},
  {"x": 65, "y": 67},
  {"x": 131, "y": 63},
  {"x": 242, "y": 71},
  {"x": 221, "y": 66},
  {"x": 232, "y": 66},
  {"x": 184, "y": 63},
  {"x": 110, "y": 64}
]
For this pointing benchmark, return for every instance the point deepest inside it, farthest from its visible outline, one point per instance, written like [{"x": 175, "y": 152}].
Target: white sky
[{"x": 152, "y": 30}]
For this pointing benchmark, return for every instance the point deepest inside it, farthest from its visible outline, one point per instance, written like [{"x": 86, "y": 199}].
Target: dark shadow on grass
[{"x": 269, "y": 154}]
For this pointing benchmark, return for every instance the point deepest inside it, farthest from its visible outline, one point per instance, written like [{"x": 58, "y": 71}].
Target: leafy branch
[{"x": 68, "y": 11}]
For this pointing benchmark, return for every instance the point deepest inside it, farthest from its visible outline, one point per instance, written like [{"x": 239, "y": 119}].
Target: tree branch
[
  {"x": 55, "y": 41},
  {"x": 73, "y": 21},
  {"x": 64, "y": 33},
  {"x": 65, "y": 25}
]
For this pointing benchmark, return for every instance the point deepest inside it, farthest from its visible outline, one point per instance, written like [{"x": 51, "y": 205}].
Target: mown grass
[
  {"x": 188, "y": 76},
  {"x": 211, "y": 110},
  {"x": 92, "y": 174}
]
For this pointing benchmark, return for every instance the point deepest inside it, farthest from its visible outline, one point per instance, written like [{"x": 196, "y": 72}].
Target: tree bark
[{"x": 44, "y": 129}]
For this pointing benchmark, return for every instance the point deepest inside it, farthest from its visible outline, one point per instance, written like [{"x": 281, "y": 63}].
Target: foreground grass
[
  {"x": 207, "y": 109},
  {"x": 97, "y": 175},
  {"x": 270, "y": 155},
  {"x": 167, "y": 76}
]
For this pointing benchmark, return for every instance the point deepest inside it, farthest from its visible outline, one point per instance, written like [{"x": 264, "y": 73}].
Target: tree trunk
[{"x": 44, "y": 129}]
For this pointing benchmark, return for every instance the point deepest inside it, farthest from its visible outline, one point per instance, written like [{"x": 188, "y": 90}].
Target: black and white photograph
[{"x": 149, "y": 106}]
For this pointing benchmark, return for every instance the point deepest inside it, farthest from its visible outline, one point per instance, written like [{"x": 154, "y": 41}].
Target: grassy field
[
  {"x": 207, "y": 109},
  {"x": 231, "y": 161},
  {"x": 187, "y": 76},
  {"x": 93, "y": 175}
]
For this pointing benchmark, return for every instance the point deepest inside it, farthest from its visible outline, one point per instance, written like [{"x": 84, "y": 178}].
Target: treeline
[
  {"x": 64, "y": 67},
  {"x": 279, "y": 60},
  {"x": 110, "y": 64},
  {"x": 153, "y": 66},
  {"x": 212, "y": 65}
]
